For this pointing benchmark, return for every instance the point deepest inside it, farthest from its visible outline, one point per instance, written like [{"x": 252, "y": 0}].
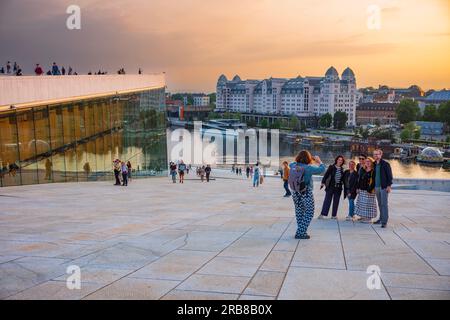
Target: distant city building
[
  {"x": 430, "y": 128},
  {"x": 385, "y": 94},
  {"x": 301, "y": 96},
  {"x": 201, "y": 100},
  {"x": 372, "y": 113},
  {"x": 435, "y": 98}
]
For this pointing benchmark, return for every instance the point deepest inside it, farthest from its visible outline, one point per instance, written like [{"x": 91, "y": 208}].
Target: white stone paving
[{"x": 222, "y": 240}]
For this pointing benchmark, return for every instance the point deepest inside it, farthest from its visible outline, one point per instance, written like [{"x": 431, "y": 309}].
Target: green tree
[
  {"x": 251, "y": 123},
  {"x": 326, "y": 120},
  {"x": 294, "y": 123},
  {"x": 264, "y": 123},
  {"x": 340, "y": 120},
  {"x": 303, "y": 126},
  {"x": 276, "y": 124},
  {"x": 407, "y": 111},
  {"x": 444, "y": 112},
  {"x": 430, "y": 113},
  {"x": 365, "y": 133},
  {"x": 212, "y": 98},
  {"x": 405, "y": 135},
  {"x": 414, "y": 131}
]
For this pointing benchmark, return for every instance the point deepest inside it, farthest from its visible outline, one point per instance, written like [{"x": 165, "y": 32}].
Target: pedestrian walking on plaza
[
  {"x": 181, "y": 170},
  {"x": 350, "y": 186},
  {"x": 70, "y": 71},
  {"x": 173, "y": 172},
  {"x": 256, "y": 175},
  {"x": 130, "y": 170},
  {"x": 366, "y": 207},
  {"x": 63, "y": 71},
  {"x": 251, "y": 171},
  {"x": 8, "y": 67},
  {"x": 285, "y": 177},
  {"x": 208, "y": 172},
  {"x": 202, "y": 173},
  {"x": 237, "y": 170},
  {"x": 2, "y": 70},
  {"x": 38, "y": 70},
  {"x": 15, "y": 67},
  {"x": 247, "y": 172},
  {"x": 124, "y": 169},
  {"x": 333, "y": 182},
  {"x": 117, "y": 168},
  {"x": 383, "y": 186},
  {"x": 300, "y": 178}
]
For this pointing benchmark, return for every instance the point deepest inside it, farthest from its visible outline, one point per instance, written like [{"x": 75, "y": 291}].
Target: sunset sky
[{"x": 194, "y": 41}]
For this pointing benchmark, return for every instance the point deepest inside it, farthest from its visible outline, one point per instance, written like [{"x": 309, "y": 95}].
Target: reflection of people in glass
[
  {"x": 87, "y": 169},
  {"x": 48, "y": 169},
  {"x": 130, "y": 169},
  {"x": 117, "y": 169},
  {"x": 13, "y": 167}
]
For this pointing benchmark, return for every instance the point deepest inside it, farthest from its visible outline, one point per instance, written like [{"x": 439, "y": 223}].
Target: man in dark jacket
[{"x": 383, "y": 186}]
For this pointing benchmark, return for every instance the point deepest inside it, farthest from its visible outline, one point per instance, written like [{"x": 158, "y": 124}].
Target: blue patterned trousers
[{"x": 304, "y": 210}]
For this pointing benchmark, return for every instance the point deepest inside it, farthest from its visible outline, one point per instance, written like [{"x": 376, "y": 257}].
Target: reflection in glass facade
[{"x": 78, "y": 141}]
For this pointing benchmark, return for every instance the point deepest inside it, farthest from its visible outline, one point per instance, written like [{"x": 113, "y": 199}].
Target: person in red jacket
[{"x": 38, "y": 70}]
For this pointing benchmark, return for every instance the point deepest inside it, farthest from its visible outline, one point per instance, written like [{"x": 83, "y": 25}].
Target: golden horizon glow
[{"x": 195, "y": 41}]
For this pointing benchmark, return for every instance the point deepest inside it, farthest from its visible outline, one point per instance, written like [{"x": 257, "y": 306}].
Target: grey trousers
[{"x": 382, "y": 199}]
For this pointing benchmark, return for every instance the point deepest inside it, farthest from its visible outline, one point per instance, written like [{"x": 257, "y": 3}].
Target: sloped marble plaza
[{"x": 222, "y": 240}]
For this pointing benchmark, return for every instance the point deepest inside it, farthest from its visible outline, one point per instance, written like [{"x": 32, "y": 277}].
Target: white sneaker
[
  {"x": 333, "y": 218},
  {"x": 320, "y": 217},
  {"x": 348, "y": 218}
]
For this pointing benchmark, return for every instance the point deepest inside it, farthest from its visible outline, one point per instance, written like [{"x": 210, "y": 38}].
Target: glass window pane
[
  {"x": 27, "y": 146},
  {"x": 9, "y": 151}
]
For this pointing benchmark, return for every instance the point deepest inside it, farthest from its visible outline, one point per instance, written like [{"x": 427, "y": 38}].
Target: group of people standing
[
  {"x": 122, "y": 170},
  {"x": 367, "y": 183},
  {"x": 180, "y": 169}
]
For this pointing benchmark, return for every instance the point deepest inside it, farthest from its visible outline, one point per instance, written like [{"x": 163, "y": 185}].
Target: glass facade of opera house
[{"x": 78, "y": 140}]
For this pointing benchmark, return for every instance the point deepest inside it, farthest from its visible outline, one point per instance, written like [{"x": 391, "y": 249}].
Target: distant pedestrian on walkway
[
  {"x": 247, "y": 172},
  {"x": 300, "y": 175},
  {"x": 256, "y": 175},
  {"x": 130, "y": 170},
  {"x": 181, "y": 170},
  {"x": 173, "y": 172},
  {"x": 350, "y": 186},
  {"x": 202, "y": 173},
  {"x": 117, "y": 168},
  {"x": 333, "y": 182},
  {"x": 124, "y": 174},
  {"x": 285, "y": 177},
  {"x": 8, "y": 67},
  {"x": 383, "y": 186},
  {"x": 207, "y": 172},
  {"x": 366, "y": 206}
]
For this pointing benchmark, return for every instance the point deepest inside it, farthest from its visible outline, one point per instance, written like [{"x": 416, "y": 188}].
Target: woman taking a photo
[
  {"x": 366, "y": 206},
  {"x": 333, "y": 181},
  {"x": 304, "y": 202}
]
